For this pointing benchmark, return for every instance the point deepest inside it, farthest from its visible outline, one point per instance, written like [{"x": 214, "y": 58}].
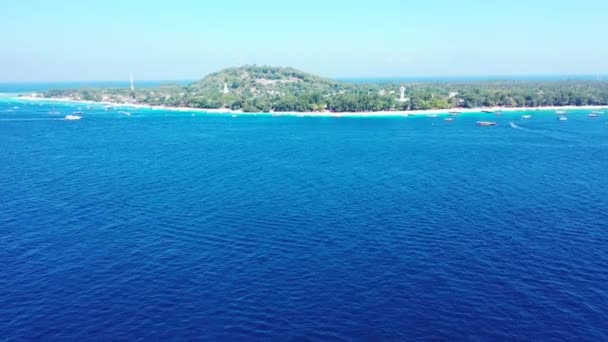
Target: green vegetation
[{"x": 264, "y": 89}]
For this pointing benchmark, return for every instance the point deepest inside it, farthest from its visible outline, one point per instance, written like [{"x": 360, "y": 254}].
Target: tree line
[{"x": 344, "y": 97}]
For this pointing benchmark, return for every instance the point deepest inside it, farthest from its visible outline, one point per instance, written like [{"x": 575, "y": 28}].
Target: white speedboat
[
  {"x": 563, "y": 118},
  {"x": 73, "y": 117},
  {"x": 526, "y": 117}
]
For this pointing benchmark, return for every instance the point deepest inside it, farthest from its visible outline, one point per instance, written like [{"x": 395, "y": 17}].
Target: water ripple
[{"x": 152, "y": 227}]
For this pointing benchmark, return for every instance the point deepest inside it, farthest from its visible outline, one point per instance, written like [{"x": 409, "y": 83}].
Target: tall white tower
[
  {"x": 402, "y": 91},
  {"x": 132, "y": 87}
]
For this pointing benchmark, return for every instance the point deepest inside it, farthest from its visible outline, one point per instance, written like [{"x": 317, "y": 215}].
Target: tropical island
[{"x": 276, "y": 89}]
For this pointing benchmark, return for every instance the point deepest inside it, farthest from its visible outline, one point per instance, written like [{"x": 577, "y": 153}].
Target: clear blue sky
[{"x": 65, "y": 40}]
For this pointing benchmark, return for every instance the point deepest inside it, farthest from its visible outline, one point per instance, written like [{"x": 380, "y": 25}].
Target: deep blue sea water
[{"x": 164, "y": 226}]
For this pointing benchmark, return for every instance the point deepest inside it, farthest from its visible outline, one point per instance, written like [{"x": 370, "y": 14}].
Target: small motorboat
[
  {"x": 448, "y": 119},
  {"x": 561, "y": 112},
  {"x": 562, "y": 118},
  {"x": 453, "y": 113},
  {"x": 432, "y": 115},
  {"x": 593, "y": 115},
  {"x": 72, "y": 117},
  {"x": 526, "y": 117},
  {"x": 486, "y": 123}
]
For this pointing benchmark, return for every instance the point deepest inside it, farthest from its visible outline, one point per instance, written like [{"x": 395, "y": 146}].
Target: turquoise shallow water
[{"x": 160, "y": 225}]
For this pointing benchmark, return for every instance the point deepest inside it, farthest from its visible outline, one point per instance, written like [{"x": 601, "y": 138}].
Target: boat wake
[
  {"x": 513, "y": 125},
  {"x": 551, "y": 134}
]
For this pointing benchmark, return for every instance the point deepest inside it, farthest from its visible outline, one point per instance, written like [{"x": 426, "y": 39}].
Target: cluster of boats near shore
[{"x": 561, "y": 116}]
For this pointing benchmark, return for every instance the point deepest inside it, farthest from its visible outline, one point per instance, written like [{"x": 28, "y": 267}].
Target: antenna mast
[{"x": 132, "y": 87}]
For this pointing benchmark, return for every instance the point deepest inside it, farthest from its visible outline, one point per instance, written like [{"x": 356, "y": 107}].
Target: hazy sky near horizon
[{"x": 68, "y": 40}]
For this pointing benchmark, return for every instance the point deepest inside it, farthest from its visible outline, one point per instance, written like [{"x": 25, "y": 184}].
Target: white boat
[
  {"x": 73, "y": 117},
  {"x": 563, "y": 118},
  {"x": 432, "y": 115},
  {"x": 560, "y": 112},
  {"x": 448, "y": 119},
  {"x": 526, "y": 117},
  {"x": 124, "y": 113}
]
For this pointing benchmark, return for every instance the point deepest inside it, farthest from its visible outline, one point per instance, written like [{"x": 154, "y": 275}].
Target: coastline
[{"x": 481, "y": 110}]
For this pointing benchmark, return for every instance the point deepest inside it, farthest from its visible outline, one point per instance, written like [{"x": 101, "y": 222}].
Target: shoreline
[{"x": 481, "y": 110}]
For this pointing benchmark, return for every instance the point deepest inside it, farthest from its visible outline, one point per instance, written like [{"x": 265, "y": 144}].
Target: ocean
[{"x": 166, "y": 226}]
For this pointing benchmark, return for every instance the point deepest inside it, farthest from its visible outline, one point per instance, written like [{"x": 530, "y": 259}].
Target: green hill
[
  {"x": 261, "y": 79},
  {"x": 255, "y": 88}
]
